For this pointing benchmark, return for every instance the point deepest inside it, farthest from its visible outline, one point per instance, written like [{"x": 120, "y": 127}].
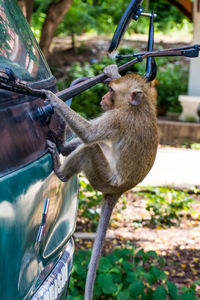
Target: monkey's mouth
[{"x": 105, "y": 107}]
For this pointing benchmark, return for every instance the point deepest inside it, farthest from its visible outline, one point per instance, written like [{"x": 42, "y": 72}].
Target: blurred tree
[
  {"x": 55, "y": 12},
  {"x": 54, "y": 15},
  {"x": 74, "y": 17},
  {"x": 82, "y": 17},
  {"x": 167, "y": 14},
  {"x": 27, "y": 8},
  {"x": 92, "y": 15}
]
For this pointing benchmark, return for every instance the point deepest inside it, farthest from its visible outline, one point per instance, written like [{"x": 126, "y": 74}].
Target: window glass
[{"x": 18, "y": 48}]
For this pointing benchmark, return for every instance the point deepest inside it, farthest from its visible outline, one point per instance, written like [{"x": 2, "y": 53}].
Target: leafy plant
[
  {"x": 168, "y": 16},
  {"x": 195, "y": 146},
  {"x": 166, "y": 206},
  {"x": 172, "y": 82},
  {"x": 127, "y": 274},
  {"x": 89, "y": 203}
]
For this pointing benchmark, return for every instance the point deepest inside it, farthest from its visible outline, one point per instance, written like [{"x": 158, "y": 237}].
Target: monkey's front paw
[
  {"x": 54, "y": 100},
  {"x": 48, "y": 93},
  {"x": 51, "y": 147},
  {"x": 112, "y": 71},
  {"x": 55, "y": 155}
]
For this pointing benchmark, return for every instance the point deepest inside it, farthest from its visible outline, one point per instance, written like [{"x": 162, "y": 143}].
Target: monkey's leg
[
  {"x": 73, "y": 164},
  {"x": 98, "y": 170},
  {"x": 106, "y": 211},
  {"x": 87, "y": 158},
  {"x": 99, "y": 176}
]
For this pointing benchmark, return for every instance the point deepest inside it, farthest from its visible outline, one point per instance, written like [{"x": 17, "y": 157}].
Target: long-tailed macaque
[{"x": 115, "y": 150}]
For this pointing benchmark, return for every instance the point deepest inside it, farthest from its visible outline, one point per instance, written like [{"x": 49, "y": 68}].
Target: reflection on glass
[{"x": 18, "y": 48}]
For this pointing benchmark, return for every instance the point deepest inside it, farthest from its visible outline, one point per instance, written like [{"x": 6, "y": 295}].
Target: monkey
[{"x": 115, "y": 151}]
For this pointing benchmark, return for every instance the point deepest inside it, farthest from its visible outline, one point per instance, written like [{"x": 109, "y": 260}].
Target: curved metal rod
[
  {"x": 18, "y": 87},
  {"x": 188, "y": 51}
]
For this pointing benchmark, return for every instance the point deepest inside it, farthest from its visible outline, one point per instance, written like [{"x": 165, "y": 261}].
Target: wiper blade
[{"x": 9, "y": 81}]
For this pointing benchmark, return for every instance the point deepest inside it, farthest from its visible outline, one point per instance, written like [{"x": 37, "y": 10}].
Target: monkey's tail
[{"x": 106, "y": 211}]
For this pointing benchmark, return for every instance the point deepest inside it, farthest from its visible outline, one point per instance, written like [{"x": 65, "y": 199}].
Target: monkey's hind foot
[
  {"x": 112, "y": 71},
  {"x": 55, "y": 156}
]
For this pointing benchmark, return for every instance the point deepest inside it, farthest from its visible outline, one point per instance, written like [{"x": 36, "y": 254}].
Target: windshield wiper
[{"x": 10, "y": 82}]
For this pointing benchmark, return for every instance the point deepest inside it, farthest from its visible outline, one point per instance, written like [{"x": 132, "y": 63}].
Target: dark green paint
[
  {"x": 22, "y": 260},
  {"x": 21, "y": 180}
]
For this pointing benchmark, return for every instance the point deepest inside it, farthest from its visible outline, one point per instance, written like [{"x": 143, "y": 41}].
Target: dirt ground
[{"x": 178, "y": 245}]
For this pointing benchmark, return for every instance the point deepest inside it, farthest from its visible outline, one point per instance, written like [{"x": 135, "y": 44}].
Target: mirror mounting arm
[{"x": 151, "y": 68}]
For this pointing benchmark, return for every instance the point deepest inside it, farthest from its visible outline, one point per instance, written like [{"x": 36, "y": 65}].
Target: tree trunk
[
  {"x": 27, "y": 8},
  {"x": 73, "y": 40},
  {"x": 55, "y": 14}
]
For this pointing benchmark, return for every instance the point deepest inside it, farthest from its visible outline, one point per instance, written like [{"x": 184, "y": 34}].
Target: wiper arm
[{"x": 9, "y": 81}]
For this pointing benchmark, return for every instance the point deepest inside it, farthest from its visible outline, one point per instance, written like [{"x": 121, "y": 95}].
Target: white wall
[{"x": 194, "y": 75}]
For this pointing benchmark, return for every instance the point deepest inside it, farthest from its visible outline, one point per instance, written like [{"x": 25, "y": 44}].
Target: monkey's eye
[{"x": 111, "y": 91}]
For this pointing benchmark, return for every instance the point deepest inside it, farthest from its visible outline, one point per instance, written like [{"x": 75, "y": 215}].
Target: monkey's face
[
  {"x": 107, "y": 100},
  {"x": 126, "y": 92}
]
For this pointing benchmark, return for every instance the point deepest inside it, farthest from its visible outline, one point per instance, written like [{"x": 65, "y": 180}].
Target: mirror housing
[{"x": 132, "y": 12}]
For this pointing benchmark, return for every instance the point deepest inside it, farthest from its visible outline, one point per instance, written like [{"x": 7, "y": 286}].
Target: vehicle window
[{"x": 18, "y": 48}]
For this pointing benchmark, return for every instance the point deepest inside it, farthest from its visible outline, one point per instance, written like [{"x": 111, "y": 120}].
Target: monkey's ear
[{"x": 135, "y": 97}]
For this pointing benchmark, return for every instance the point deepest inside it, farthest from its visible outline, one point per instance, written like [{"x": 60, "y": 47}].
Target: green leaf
[
  {"x": 172, "y": 289},
  {"x": 141, "y": 253},
  {"x": 97, "y": 291},
  {"x": 132, "y": 276},
  {"x": 152, "y": 254},
  {"x": 119, "y": 288},
  {"x": 79, "y": 269},
  {"x": 157, "y": 273},
  {"x": 160, "y": 293},
  {"x": 136, "y": 288},
  {"x": 140, "y": 270},
  {"x": 116, "y": 277},
  {"x": 125, "y": 252},
  {"x": 75, "y": 298},
  {"x": 128, "y": 267},
  {"x": 150, "y": 278},
  {"x": 125, "y": 295},
  {"x": 106, "y": 283},
  {"x": 115, "y": 270},
  {"x": 188, "y": 296},
  {"x": 113, "y": 258},
  {"x": 104, "y": 264}
]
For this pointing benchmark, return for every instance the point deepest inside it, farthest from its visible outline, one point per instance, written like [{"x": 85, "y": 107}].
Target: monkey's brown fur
[{"x": 115, "y": 151}]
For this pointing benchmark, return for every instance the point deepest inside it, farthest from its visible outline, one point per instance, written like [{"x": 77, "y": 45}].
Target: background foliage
[
  {"x": 127, "y": 274},
  {"x": 102, "y": 16},
  {"x": 130, "y": 273}
]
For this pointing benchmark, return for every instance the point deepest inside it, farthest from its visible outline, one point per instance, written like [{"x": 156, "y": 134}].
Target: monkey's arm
[
  {"x": 67, "y": 147},
  {"x": 88, "y": 132}
]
